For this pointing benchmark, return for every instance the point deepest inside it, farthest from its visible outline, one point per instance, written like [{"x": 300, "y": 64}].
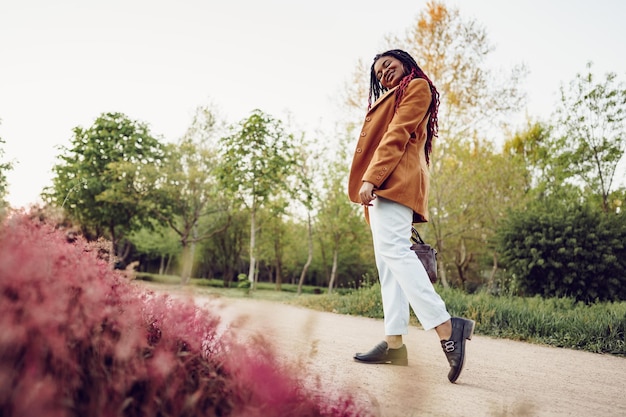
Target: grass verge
[{"x": 560, "y": 322}]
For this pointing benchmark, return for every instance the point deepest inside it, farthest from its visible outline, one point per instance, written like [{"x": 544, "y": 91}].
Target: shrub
[
  {"x": 78, "y": 339},
  {"x": 243, "y": 282},
  {"x": 559, "y": 250}
]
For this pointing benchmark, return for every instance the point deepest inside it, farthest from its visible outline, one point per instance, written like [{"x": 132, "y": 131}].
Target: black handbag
[{"x": 426, "y": 253}]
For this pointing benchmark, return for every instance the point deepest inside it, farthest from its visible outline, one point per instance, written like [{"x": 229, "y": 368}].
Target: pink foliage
[{"x": 79, "y": 339}]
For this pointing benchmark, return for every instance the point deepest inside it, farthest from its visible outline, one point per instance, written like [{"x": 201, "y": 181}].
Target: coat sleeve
[{"x": 411, "y": 111}]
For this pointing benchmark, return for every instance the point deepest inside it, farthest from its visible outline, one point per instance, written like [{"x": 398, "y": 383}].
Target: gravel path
[{"x": 500, "y": 378}]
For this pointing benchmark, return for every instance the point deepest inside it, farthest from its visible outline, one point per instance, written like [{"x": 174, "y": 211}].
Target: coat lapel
[{"x": 382, "y": 98}]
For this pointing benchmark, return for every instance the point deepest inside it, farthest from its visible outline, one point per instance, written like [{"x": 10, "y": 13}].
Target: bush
[
  {"x": 558, "y": 250},
  {"x": 78, "y": 339},
  {"x": 243, "y": 282}
]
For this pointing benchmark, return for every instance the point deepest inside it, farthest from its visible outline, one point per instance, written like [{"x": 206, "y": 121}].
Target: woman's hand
[{"x": 367, "y": 193}]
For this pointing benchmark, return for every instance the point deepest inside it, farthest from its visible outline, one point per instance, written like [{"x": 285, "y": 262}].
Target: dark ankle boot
[
  {"x": 454, "y": 348},
  {"x": 382, "y": 354}
]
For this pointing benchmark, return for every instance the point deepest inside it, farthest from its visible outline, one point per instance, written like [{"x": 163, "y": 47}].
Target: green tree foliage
[
  {"x": 493, "y": 177},
  {"x": 101, "y": 179},
  {"x": 157, "y": 242},
  {"x": 556, "y": 248},
  {"x": 344, "y": 237},
  {"x": 4, "y": 167},
  {"x": 283, "y": 217},
  {"x": 532, "y": 146},
  {"x": 222, "y": 254},
  {"x": 305, "y": 171},
  {"x": 256, "y": 160},
  {"x": 272, "y": 239},
  {"x": 189, "y": 188},
  {"x": 591, "y": 132}
]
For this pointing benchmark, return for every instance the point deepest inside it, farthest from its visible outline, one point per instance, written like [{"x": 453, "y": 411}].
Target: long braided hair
[{"x": 413, "y": 71}]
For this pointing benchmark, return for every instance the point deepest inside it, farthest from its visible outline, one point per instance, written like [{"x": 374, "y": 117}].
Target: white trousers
[{"x": 403, "y": 278}]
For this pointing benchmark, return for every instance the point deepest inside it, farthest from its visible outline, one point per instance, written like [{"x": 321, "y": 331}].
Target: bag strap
[{"x": 415, "y": 236}]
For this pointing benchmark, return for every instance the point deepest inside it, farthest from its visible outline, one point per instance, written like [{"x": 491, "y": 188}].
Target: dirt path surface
[{"x": 500, "y": 378}]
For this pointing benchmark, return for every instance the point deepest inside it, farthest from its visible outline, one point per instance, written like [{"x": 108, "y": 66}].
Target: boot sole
[{"x": 398, "y": 362}]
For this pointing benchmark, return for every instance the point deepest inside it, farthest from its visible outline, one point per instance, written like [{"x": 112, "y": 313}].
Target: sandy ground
[{"x": 500, "y": 378}]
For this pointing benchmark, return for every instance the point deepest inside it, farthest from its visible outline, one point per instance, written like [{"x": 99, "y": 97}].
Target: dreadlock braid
[{"x": 412, "y": 71}]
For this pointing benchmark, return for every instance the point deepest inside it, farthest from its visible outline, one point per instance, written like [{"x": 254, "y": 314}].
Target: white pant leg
[{"x": 403, "y": 278}]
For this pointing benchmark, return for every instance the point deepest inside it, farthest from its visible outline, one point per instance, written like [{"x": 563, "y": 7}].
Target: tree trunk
[
  {"x": 112, "y": 257},
  {"x": 228, "y": 277},
  {"x": 441, "y": 267},
  {"x": 462, "y": 262},
  {"x": 187, "y": 260},
  {"x": 279, "y": 275},
  {"x": 162, "y": 265},
  {"x": 168, "y": 263},
  {"x": 252, "y": 245},
  {"x": 310, "y": 257},
  {"x": 189, "y": 251},
  {"x": 494, "y": 269},
  {"x": 333, "y": 273}
]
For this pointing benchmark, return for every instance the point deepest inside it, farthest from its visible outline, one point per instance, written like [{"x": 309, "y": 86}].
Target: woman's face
[{"x": 389, "y": 71}]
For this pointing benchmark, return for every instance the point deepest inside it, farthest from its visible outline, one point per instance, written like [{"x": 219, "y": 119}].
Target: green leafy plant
[{"x": 565, "y": 250}]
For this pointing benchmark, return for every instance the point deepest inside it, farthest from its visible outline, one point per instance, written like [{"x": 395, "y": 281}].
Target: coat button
[
  {"x": 367, "y": 119},
  {"x": 359, "y": 150},
  {"x": 363, "y": 133}
]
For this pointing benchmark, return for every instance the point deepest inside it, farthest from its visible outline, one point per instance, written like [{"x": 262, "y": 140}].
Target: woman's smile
[{"x": 389, "y": 71}]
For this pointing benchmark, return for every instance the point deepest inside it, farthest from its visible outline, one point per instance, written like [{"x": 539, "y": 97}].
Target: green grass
[
  {"x": 264, "y": 290},
  {"x": 560, "y": 322}
]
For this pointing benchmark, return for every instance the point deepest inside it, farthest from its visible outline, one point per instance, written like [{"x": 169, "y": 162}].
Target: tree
[
  {"x": 255, "y": 161},
  {"x": 222, "y": 253},
  {"x": 189, "y": 189},
  {"x": 4, "y": 167},
  {"x": 592, "y": 131},
  {"x": 282, "y": 209},
  {"x": 101, "y": 178},
  {"x": 159, "y": 242},
  {"x": 496, "y": 178},
  {"x": 454, "y": 51},
  {"x": 304, "y": 175},
  {"x": 532, "y": 145},
  {"x": 272, "y": 238},
  {"x": 340, "y": 223}
]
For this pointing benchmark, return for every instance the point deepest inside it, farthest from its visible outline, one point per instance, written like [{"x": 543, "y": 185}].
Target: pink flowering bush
[{"x": 79, "y": 339}]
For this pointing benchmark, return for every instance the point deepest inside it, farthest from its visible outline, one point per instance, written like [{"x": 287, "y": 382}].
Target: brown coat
[{"x": 390, "y": 151}]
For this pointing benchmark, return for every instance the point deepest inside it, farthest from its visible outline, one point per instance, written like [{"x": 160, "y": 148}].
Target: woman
[{"x": 389, "y": 177}]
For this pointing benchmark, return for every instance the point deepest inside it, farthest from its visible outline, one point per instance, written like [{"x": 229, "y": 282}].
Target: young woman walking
[{"x": 390, "y": 178}]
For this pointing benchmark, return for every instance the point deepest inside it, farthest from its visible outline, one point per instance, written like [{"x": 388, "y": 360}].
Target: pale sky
[{"x": 65, "y": 62}]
